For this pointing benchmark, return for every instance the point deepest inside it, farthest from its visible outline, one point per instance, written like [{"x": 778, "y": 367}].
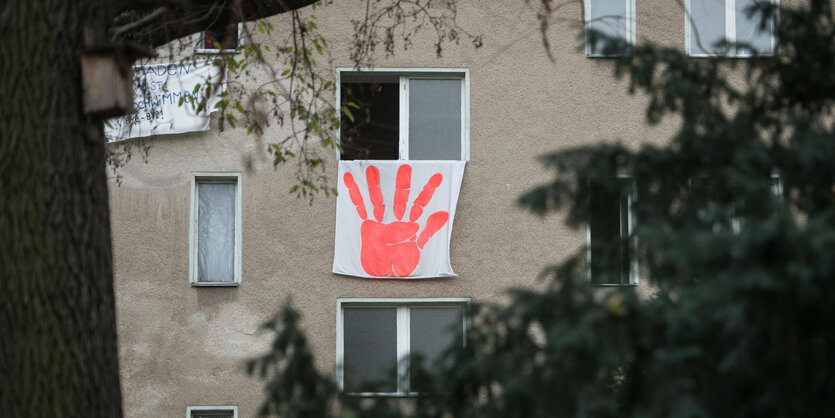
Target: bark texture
[
  {"x": 58, "y": 355},
  {"x": 58, "y": 347}
]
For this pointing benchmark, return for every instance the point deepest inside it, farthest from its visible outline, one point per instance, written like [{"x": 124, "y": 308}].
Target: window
[
  {"x": 611, "y": 245},
  {"x": 613, "y": 20},
  {"x": 709, "y": 22},
  {"x": 732, "y": 215},
  {"x": 225, "y": 39},
  {"x": 404, "y": 114},
  {"x": 212, "y": 412},
  {"x": 777, "y": 185},
  {"x": 381, "y": 344},
  {"x": 215, "y": 233}
]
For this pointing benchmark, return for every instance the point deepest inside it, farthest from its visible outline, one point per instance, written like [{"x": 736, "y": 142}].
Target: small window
[
  {"x": 384, "y": 346},
  {"x": 611, "y": 245},
  {"x": 212, "y": 412},
  {"x": 718, "y": 219},
  {"x": 610, "y": 27},
  {"x": 215, "y": 235},
  {"x": 777, "y": 185},
  {"x": 221, "y": 39},
  {"x": 414, "y": 115},
  {"x": 710, "y": 22}
]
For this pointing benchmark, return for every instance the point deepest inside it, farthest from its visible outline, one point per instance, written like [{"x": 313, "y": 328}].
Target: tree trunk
[{"x": 58, "y": 355}]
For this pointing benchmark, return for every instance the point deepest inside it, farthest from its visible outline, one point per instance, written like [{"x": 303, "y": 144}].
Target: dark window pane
[
  {"x": 375, "y": 132},
  {"x": 435, "y": 119},
  {"x": 609, "y": 229},
  {"x": 370, "y": 349},
  {"x": 432, "y": 331}
]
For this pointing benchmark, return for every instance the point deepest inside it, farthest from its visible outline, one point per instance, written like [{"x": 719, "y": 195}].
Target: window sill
[
  {"x": 607, "y": 56},
  {"x": 215, "y": 284},
  {"x": 613, "y": 285},
  {"x": 217, "y": 51},
  {"x": 411, "y": 395},
  {"x": 741, "y": 56}
]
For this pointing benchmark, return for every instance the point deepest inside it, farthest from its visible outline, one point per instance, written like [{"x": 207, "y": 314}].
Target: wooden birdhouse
[{"x": 107, "y": 75}]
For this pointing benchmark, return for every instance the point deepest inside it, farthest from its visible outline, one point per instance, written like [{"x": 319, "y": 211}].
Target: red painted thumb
[{"x": 435, "y": 222}]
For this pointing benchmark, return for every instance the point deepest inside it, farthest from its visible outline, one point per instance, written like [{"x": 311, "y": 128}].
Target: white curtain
[
  {"x": 748, "y": 30},
  {"x": 608, "y": 18},
  {"x": 216, "y": 232},
  {"x": 707, "y": 26}
]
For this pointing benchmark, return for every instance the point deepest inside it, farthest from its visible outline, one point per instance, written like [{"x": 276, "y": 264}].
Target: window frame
[
  {"x": 634, "y": 277},
  {"x": 403, "y": 336},
  {"x": 199, "y": 37},
  {"x": 730, "y": 32},
  {"x": 221, "y": 408},
  {"x": 213, "y": 177},
  {"x": 631, "y": 28},
  {"x": 404, "y": 75}
]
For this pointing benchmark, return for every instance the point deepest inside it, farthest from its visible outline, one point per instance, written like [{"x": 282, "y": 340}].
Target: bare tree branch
[
  {"x": 186, "y": 17},
  {"x": 136, "y": 24}
]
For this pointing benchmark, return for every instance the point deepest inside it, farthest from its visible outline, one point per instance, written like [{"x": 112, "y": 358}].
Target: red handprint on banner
[{"x": 393, "y": 249}]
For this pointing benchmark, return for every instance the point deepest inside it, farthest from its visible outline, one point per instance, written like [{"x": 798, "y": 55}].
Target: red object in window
[{"x": 207, "y": 40}]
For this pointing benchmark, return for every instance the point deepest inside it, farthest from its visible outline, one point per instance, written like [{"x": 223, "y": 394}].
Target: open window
[
  {"x": 385, "y": 347},
  {"x": 610, "y": 27},
  {"x": 611, "y": 243},
  {"x": 404, "y": 114},
  {"x": 220, "y": 39},
  {"x": 709, "y": 22},
  {"x": 215, "y": 230}
]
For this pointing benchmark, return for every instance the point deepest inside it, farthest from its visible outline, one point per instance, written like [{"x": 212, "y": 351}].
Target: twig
[{"x": 141, "y": 22}]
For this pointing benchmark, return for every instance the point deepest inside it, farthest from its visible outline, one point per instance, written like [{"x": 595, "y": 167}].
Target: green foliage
[
  {"x": 740, "y": 324},
  {"x": 298, "y": 93},
  {"x": 295, "y": 387},
  {"x": 736, "y": 231}
]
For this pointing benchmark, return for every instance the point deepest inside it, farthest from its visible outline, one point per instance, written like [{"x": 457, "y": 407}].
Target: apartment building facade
[{"x": 208, "y": 243}]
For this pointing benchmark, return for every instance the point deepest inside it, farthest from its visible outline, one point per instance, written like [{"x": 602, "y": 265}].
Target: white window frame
[
  {"x": 406, "y": 74},
  {"x": 199, "y": 38},
  {"x": 403, "y": 335},
  {"x": 204, "y": 409},
  {"x": 201, "y": 177},
  {"x": 730, "y": 32},
  {"x": 631, "y": 34},
  {"x": 633, "y": 243}
]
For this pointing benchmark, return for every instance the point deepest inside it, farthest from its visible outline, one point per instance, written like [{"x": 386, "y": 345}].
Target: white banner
[
  {"x": 394, "y": 218},
  {"x": 158, "y": 90}
]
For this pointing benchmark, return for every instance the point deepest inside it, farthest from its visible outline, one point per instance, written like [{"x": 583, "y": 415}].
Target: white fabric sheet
[
  {"x": 388, "y": 234},
  {"x": 157, "y": 90}
]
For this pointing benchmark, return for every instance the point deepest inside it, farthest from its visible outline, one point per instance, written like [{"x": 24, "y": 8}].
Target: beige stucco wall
[{"x": 182, "y": 345}]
